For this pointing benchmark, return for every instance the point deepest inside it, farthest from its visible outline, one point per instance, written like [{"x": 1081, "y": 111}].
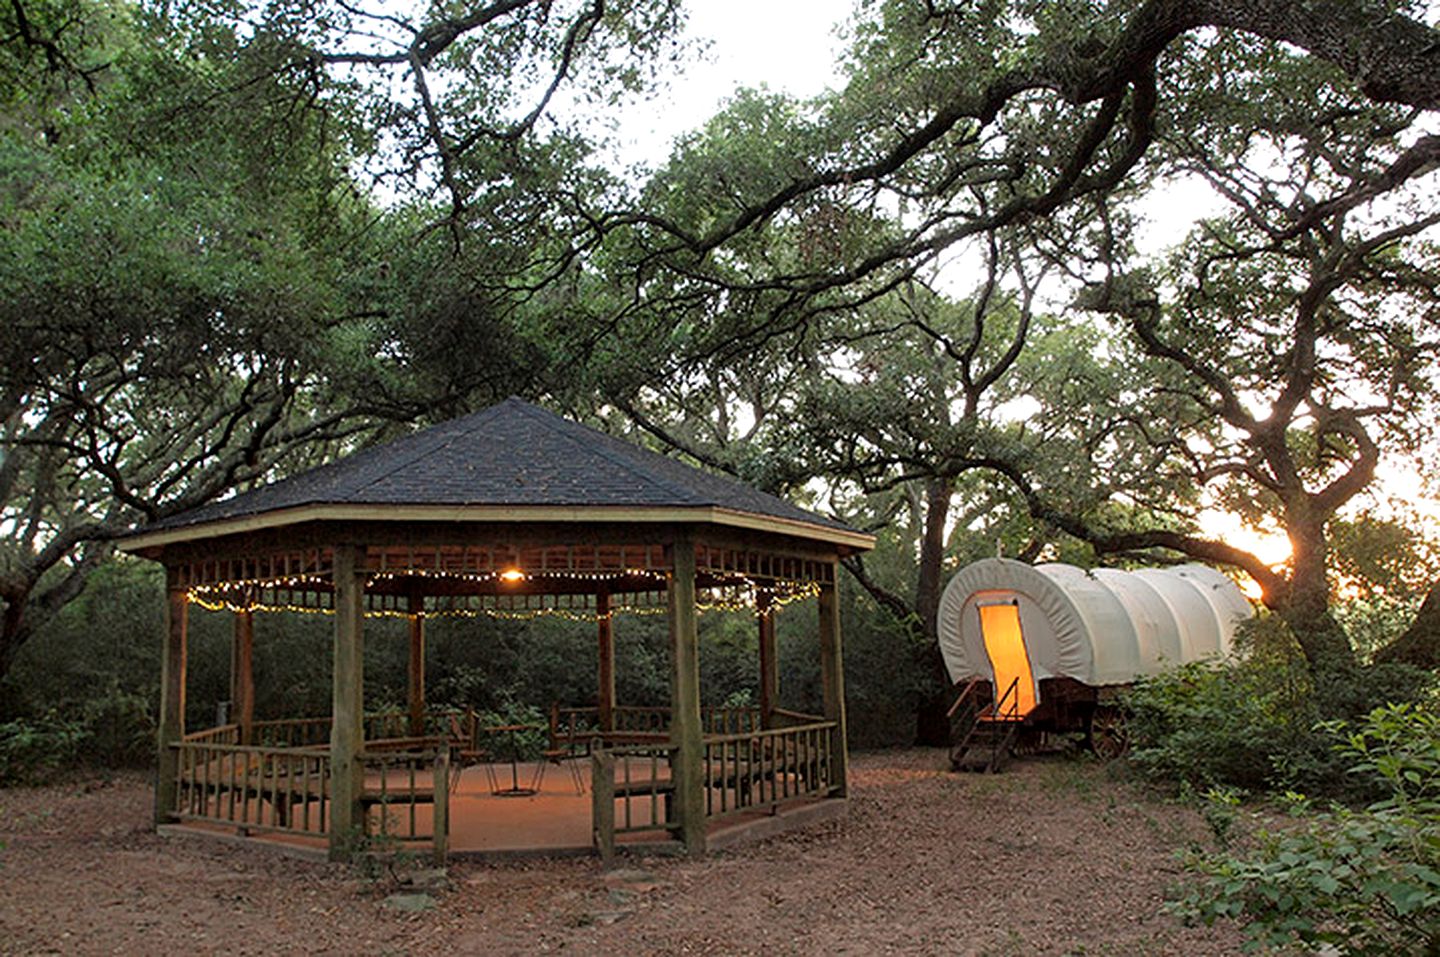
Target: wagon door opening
[{"x": 1009, "y": 659}]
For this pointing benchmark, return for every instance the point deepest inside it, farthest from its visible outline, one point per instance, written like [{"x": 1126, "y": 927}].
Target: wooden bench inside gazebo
[{"x": 512, "y": 510}]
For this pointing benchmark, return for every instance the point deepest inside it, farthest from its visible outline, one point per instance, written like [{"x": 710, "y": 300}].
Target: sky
[{"x": 788, "y": 45}]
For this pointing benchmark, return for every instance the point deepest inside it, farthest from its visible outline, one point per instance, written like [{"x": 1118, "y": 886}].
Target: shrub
[
  {"x": 1248, "y": 723},
  {"x": 33, "y": 750},
  {"x": 119, "y": 729},
  {"x": 1253, "y": 722},
  {"x": 1362, "y": 882}
]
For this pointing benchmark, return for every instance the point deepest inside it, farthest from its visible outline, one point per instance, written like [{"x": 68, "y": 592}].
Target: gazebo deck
[
  {"x": 586, "y": 789},
  {"x": 556, "y": 821}
]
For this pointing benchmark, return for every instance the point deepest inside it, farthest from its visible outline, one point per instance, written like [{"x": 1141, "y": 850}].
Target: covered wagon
[{"x": 1034, "y": 649}]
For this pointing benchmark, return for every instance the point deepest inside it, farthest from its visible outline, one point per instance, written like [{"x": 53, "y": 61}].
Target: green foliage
[
  {"x": 1247, "y": 723},
  {"x": 1253, "y": 722},
  {"x": 1373, "y": 622},
  {"x": 95, "y": 667},
  {"x": 35, "y": 750},
  {"x": 1385, "y": 560},
  {"x": 1220, "y": 807},
  {"x": 527, "y": 741},
  {"x": 112, "y": 730},
  {"x": 119, "y": 729},
  {"x": 1362, "y": 882},
  {"x": 197, "y": 290},
  {"x": 180, "y": 234},
  {"x": 885, "y": 675}
]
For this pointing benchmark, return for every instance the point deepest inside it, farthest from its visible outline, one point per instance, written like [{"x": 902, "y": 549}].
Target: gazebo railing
[
  {"x": 253, "y": 788},
  {"x": 284, "y": 783},
  {"x": 730, "y": 720},
  {"x": 292, "y": 732},
  {"x": 257, "y": 788},
  {"x": 631, "y": 790},
  {"x": 643, "y": 720},
  {"x": 407, "y": 797},
  {"x": 786, "y": 718},
  {"x": 220, "y": 734},
  {"x": 582, "y": 723},
  {"x": 311, "y": 732},
  {"x": 764, "y": 769}
]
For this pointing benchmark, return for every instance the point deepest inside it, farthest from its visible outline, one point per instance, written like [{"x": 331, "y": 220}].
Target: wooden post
[
  {"x": 347, "y": 724},
  {"x": 832, "y": 676},
  {"x": 242, "y": 674},
  {"x": 440, "y": 787},
  {"x": 685, "y": 731},
  {"x": 602, "y": 804},
  {"x": 172, "y": 698},
  {"x": 769, "y": 666},
  {"x": 416, "y": 696},
  {"x": 605, "y": 697}
]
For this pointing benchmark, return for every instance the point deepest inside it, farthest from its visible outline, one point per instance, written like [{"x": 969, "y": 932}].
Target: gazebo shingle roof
[{"x": 511, "y": 454}]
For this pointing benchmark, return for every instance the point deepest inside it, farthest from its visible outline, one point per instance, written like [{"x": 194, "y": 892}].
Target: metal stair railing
[
  {"x": 964, "y": 694},
  {"x": 999, "y": 712},
  {"x": 1001, "y": 741},
  {"x": 965, "y": 723},
  {"x": 963, "y": 715}
]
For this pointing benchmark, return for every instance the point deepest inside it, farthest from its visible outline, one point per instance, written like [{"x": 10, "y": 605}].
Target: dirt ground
[{"x": 1055, "y": 856}]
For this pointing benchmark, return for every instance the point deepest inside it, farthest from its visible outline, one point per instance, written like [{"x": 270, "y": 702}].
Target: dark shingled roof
[{"x": 513, "y": 453}]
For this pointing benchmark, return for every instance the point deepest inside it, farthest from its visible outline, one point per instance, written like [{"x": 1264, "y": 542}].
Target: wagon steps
[
  {"x": 983, "y": 730},
  {"x": 988, "y": 747}
]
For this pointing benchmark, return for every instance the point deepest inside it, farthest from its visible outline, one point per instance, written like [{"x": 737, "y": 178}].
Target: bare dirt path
[{"x": 1053, "y": 857}]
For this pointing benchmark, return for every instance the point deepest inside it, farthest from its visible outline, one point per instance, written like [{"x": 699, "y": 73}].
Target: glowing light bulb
[{"x": 512, "y": 575}]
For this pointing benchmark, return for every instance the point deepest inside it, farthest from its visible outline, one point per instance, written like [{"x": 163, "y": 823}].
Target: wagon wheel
[{"x": 1109, "y": 738}]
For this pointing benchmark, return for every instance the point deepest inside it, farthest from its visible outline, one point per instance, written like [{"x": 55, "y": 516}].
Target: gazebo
[{"x": 511, "y": 509}]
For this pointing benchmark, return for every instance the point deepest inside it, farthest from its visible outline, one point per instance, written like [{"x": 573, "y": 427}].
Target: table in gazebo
[{"x": 509, "y": 736}]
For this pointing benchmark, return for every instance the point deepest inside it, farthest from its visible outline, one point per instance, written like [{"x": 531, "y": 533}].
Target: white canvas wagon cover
[{"x": 1100, "y": 627}]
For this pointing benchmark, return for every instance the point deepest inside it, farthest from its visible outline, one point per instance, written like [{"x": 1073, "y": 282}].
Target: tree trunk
[
  {"x": 1305, "y": 604},
  {"x": 938, "y": 492},
  {"x": 14, "y": 632},
  {"x": 932, "y": 727},
  {"x": 932, "y": 724},
  {"x": 1420, "y": 644}
]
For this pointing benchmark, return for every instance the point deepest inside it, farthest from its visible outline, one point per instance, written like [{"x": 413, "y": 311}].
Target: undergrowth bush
[
  {"x": 1255, "y": 722},
  {"x": 34, "y": 750},
  {"x": 119, "y": 729},
  {"x": 1248, "y": 723},
  {"x": 1360, "y": 882},
  {"x": 113, "y": 729}
]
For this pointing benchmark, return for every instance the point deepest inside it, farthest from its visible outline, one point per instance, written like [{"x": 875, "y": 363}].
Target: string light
[
  {"x": 733, "y": 593},
  {"x": 515, "y": 575}
]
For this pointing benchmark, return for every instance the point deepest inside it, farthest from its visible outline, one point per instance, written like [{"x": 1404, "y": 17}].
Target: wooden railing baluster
[{"x": 764, "y": 768}]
